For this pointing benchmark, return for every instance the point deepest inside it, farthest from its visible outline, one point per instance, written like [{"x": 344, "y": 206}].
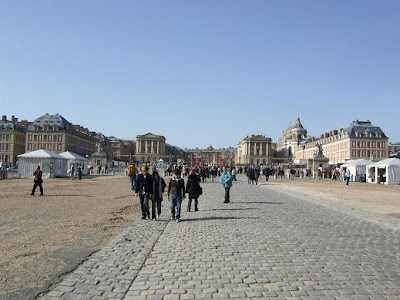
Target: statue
[
  {"x": 100, "y": 143},
  {"x": 320, "y": 152}
]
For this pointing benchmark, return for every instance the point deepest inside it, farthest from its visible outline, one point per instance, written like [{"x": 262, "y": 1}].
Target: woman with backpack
[{"x": 193, "y": 189}]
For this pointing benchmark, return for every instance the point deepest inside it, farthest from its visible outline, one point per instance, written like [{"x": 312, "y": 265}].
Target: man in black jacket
[
  {"x": 176, "y": 193},
  {"x": 144, "y": 188}
]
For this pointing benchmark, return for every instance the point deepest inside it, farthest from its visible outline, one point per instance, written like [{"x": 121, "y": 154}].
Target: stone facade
[
  {"x": 254, "y": 150},
  {"x": 291, "y": 141},
  {"x": 360, "y": 140},
  {"x": 123, "y": 150},
  {"x": 211, "y": 156},
  {"x": 55, "y": 133},
  {"x": 150, "y": 147},
  {"x": 12, "y": 140}
]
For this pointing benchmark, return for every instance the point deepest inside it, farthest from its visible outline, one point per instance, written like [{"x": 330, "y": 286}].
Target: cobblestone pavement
[{"x": 265, "y": 244}]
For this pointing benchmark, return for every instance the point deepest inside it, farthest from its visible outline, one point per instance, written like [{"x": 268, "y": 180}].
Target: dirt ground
[
  {"x": 45, "y": 237},
  {"x": 376, "y": 198}
]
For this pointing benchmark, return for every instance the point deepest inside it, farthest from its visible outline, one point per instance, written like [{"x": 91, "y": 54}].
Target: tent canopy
[
  {"x": 357, "y": 162},
  {"x": 386, "y": 162},
  {"x": 72, "y": 156},
  {"x": 41, "y": 153}
]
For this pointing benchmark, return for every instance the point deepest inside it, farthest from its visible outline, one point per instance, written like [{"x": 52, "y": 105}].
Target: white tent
[
  {"x": 357, "y": 168},
  {"x": 52, "y": 164},
  {"x": 76, "y": 160},
  {"x": 386, "y": 171}
]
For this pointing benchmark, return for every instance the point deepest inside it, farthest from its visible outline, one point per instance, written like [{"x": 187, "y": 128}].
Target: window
[
  {"x": 383, "y": 144},
  {"x": 354, "y": 153},
  {"x": 368, "y": 153},
  {"x": 29, "y": 137},
  {"x": 40, "y": 146},
  {"x": 378, "y": 144},
  {"x": 368, "y": 144},
  {"x": 50, "y": 138},
  {"x": 59, "y": 147},
  {"x": 358, "y": 145},
  {"x": 373, "y": 145},
  {"x": 353, "y": 144},
  {"x": 29, "y": 146},
  {"x": 358, "y": 153},
  {"x": 60, "y": 138},
  {"x": 364, "y": 154},
  {"x": 45, "y": 138},
  {"x": 49, "y": 147},
  {"x": 363, "y": 144},
  {"x": 34, "y": 147},
  {"x": 35, "y": 139}
]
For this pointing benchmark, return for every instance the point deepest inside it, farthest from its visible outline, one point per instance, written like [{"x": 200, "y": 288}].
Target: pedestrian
[
  {"x": 176, "y": 193},
  {"x": 80, "y": 172},
  {"x": 256, "y": 174},
  {"x": 72, "y": 171},
  {"x": 37, "y": 181},
  {"x": 157, "y": 192},
  {"x": 226, "y": 181},
  {"x": 234, "y": 173},
  {"x": 132, "y": 173},
  {"x": 348, "y": 177},
  {"x": 144, "y": 188},
  {"x": 194, "y": 190}
]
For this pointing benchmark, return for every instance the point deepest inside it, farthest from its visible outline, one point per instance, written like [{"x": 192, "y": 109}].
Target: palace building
[
  {"x": 360, "y": 140},
  {"x": 290, "y": 142},
  {"x": 254, "y": 150},
  {"x": 55, "y": 133},
  {"x": 12, "y": 139}
]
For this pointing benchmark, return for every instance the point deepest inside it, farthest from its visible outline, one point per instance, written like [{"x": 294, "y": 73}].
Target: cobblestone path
[{"x": 265, "y": 244}]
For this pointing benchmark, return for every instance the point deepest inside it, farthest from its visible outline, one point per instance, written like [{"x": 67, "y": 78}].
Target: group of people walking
[{"x": 151, "y": 187}]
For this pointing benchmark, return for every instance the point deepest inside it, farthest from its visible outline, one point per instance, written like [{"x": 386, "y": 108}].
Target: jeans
[
  {"x": 175, "y": 203},
  {"x": 132, "y": 180},
  {"x": 144, "y": 205}
]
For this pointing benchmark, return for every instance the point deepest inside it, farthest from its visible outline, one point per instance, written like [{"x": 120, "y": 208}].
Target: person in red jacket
[{"x": 37, "y": 181}]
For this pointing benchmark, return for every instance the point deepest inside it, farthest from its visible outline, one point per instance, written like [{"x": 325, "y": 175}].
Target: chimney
[
  {"x": 4, "y": 118},
  {"x": 13, "y": 119}
]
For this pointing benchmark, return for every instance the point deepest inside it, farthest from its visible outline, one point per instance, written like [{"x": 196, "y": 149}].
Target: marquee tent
[
  {"x": 52, "y": 164},
  {"x": 386, "y": 171},
  {"x": 357, "y": 168},
  {"x": 76, "y": 160}
]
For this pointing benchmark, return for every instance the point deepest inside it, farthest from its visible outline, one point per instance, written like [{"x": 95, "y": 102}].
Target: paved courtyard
[{"x": 265, "y": 244}]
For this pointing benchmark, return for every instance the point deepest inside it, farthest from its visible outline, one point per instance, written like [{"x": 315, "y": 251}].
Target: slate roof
[
  {"x": 360, "y": 129},
  {"x": 8, "y": 125},
  {"x": 50, "y": 120}
]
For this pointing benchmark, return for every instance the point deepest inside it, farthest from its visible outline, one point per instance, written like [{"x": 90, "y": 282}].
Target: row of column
[
  {"x": 146, "y": 146},
  {"x": 254, "y": 145}
]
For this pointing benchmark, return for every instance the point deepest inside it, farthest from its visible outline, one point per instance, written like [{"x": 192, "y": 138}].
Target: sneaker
[
  {"x": 157, "y": 216},
  {"x": 172, "y": 217},
  {"x": 32, "y": 194},
  {"x": 143, "y": 217},
  {"x": 177, "y": 220}
]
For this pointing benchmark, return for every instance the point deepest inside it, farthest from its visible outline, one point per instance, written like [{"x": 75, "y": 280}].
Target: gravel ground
[{"x": 43, "y": 238}]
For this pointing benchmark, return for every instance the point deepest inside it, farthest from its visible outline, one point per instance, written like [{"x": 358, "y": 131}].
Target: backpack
[{"x": 131, "y": 170}]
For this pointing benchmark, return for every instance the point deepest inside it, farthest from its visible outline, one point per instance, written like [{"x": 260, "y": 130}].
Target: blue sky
[{"x": 202, "y": 72}]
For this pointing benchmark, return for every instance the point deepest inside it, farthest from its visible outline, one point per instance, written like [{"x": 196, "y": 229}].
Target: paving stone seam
[{"x": 147, "y": 256}]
